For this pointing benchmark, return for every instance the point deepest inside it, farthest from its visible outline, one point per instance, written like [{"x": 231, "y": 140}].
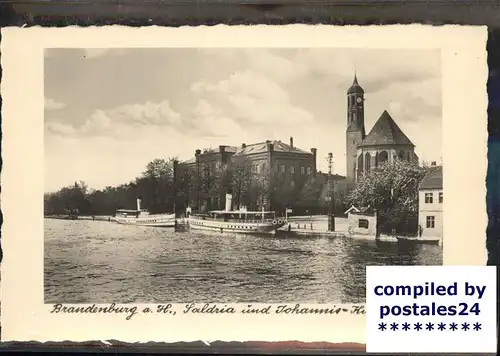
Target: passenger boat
[
  {"x": 143, "y": 218},
  {"x": 236, "y": 221}
]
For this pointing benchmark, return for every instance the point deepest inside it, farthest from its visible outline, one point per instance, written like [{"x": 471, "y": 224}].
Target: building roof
[
  {"x": 191, "y": 160},
  {"x": 433, "y": 179},
  {"x": 334, "y": 176},
  {"x": 355, "y": 87},
  {"x": 386, "y": 132},
  {"x": 227, "y": 149},
  {"x": 352, "y": 208},
  {"x": 230, "y": 149},
  {"x": 261, "y": 147}
]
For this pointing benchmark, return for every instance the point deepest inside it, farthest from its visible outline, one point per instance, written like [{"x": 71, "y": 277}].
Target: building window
[
  {"x": 428, "y": 198},
  {"x": 302, "y": 170},
  {"x": 282, "y": 168},
  {"x": 309, "y": 171},
  {"x": 363, "y": 224},
  {"x": 292, "y": 169},
  {"x": 440, "y": 197},
  {"x": 430, "y": 222},
  {"x": 257, "y": 168},
  {"x": 368, "y": 159}
]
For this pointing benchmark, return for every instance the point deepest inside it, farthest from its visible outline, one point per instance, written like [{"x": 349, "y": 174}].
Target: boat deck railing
[{"x": 268, "y": 220}]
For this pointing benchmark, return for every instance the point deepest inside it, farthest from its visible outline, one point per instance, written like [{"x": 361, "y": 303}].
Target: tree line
[
  {"x": 391, "y": 188},
  {"x": 165, "y": 185}
]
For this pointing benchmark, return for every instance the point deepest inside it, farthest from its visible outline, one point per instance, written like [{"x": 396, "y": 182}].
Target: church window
[
  {"x": 354, "y": 116},
  {"x": 367, "y": 161},
  {"x": 360, "y": 163},
  {"x": 401, "y": 155},
  {"x": 383, "y": 157}
]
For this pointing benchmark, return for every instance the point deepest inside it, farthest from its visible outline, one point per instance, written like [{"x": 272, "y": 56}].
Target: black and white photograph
[{"x": 237, "y": 175}]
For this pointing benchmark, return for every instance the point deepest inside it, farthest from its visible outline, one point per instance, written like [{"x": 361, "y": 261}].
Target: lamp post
[{"x": 331, "y": 195}]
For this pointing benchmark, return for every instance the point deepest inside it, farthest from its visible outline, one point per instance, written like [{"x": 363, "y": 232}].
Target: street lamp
[{"x": 331, "y": 195}]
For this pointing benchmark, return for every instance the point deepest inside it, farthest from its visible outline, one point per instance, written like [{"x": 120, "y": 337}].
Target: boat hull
[
  {"x": 256, "y": 228},
  {"x": 150, "y": 220},
  {"x": 422, "y": 241}
]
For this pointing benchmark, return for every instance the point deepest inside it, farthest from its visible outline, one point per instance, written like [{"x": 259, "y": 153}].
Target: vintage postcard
[{"x": 232, "y": 183}]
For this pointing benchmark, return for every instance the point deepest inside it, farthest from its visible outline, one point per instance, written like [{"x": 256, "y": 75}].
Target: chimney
[
  {"x": 222, "y": 149},
  {"x": 138, "y": 203},
  {"x": 291, "y": 141},
  {"x": 433, "y": 163},
  {"x": 269, "y": 145},
  {"x": 229, "y": 200},
  {"x": 243, "y": 145},
  {"x": 313, "y": 151},
  {"x": 197, "y": 153}
]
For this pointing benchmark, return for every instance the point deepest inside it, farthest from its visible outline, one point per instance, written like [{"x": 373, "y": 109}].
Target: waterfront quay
[
  {"x": 304, "y": 226},
  {"x": 314, "y": 226}
]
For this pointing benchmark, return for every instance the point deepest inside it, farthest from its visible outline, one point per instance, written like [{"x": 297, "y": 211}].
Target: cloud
[
  {"x": 248, "y": 100},
  {"x": 51, "y": 104},
  {"x": 230, "y": 96},
  {"x": 121, "y": 121},
  {"x": 57, "y": 128}
]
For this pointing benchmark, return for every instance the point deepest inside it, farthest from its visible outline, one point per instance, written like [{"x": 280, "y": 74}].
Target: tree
[
  {"x": 241, "y": 179},
  {"x": 392, "y": 189},
  {"x": 186, "y": 187},
  {"x": 309, "y": 198},
  {"x": 284, "y": 191},
  {"x": 155, "y": 185}
]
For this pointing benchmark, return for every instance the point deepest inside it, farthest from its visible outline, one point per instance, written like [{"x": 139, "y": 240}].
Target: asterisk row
[{"x": 429, "y": 326}]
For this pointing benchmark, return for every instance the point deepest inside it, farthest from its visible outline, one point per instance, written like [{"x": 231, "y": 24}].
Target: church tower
[{"x": 355, "y": 133}]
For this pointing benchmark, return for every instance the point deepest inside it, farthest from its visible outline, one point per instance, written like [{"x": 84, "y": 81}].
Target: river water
[{"x": 103, "y": 262}]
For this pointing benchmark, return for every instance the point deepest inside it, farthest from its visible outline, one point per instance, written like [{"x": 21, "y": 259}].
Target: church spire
[{"x": 355, "y": 87}]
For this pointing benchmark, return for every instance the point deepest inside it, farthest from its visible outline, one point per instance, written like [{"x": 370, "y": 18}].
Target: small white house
[{"x": 430, "y": 203}]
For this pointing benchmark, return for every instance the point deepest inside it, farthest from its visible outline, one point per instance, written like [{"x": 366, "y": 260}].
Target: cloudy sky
[{"x": 109, "y": 112}]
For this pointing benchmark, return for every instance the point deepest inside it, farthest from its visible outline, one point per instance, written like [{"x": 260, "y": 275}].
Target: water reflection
[{"x": 103, "y": 262}]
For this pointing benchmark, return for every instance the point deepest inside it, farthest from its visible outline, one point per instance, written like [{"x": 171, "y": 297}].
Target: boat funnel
[
  {"x": 229, "y": 200},
  {"x": 139, "y": 204}
]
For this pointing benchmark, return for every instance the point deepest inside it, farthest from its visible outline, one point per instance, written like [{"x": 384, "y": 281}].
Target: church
[{"x": 385, "y": 142}]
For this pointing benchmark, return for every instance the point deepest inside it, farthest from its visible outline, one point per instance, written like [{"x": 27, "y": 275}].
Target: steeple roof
[
  {"x": 386, "y": 132},
  {"x": 355, "y": 87}
]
